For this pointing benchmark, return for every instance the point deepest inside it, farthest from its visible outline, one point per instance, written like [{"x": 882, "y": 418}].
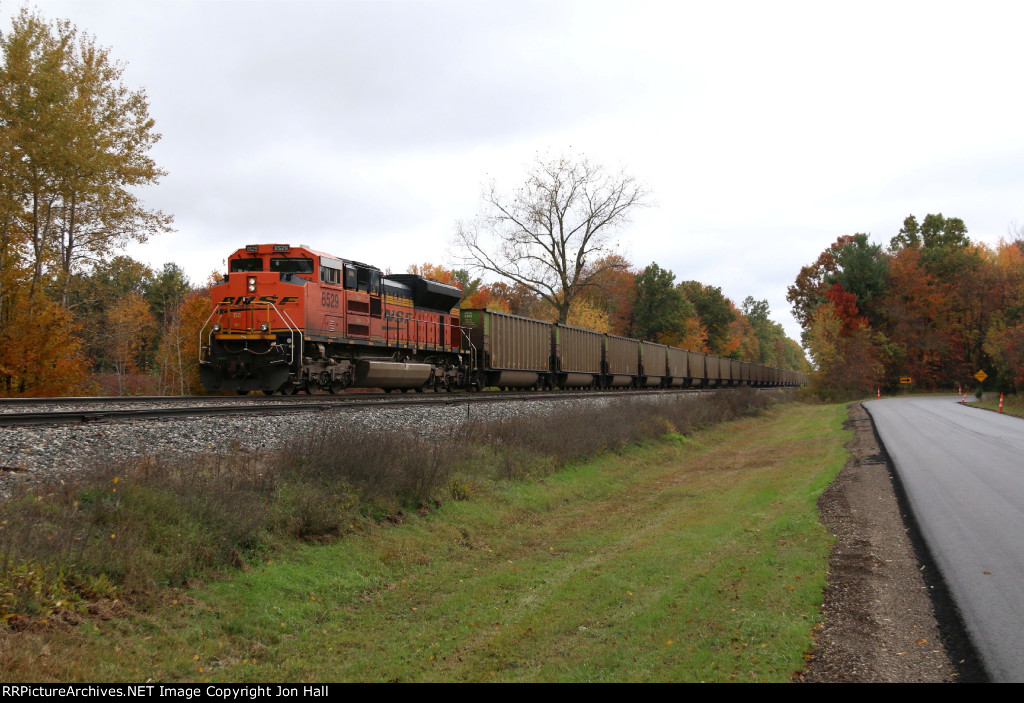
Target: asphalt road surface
[{"x": 963, "y": 472}]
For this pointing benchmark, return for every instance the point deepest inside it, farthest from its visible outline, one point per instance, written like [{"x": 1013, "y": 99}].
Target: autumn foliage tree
[
  {"x": 40, "y": 350},
  {"x": 845, "y": 364},
  {"x": 716, "y": 314},
  {"x": 935, "y": 308},
  {"x": 74, "y": 149},
  {"x": 175, "y": 357}
]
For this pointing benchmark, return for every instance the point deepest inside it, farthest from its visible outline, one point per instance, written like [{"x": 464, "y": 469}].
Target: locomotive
[{"x": 287, "y": 319}]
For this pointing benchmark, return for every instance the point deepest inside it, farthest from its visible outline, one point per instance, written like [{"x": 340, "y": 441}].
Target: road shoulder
[{"x": 884, "y": 620}]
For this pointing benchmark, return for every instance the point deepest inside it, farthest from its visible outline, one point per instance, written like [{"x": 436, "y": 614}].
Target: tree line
[
  {"x": 933, "y": 307},
  {"x": 74, "y": 150}
]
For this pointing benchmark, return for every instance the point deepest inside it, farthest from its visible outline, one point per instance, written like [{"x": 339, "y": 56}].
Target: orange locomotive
[{"x": 288, "y": 318}]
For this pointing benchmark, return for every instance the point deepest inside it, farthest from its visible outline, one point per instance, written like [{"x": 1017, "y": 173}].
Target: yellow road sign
[
  {"x": 981, "y": 376},
  {"x": 906, "y": 379}
]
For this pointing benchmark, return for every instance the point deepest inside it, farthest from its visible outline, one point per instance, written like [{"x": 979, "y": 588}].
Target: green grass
[
  {"x": 1012, "y": 404},
  {"x": 695, "y": 558}
]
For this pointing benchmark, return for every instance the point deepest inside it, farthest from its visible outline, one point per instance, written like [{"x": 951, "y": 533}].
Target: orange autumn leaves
[{"x": 934, "y": 307}]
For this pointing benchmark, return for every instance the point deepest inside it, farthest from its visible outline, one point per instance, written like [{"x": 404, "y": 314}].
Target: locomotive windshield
[
  {"x": 247, "y": 265},
  {"x": 296, "y": 265}
]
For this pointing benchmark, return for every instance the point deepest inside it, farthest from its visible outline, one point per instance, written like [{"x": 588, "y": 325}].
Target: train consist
[{"x": 288, "y": 319}]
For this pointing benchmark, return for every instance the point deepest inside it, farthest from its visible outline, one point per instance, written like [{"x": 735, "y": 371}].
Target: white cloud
[{"x": 764, "y": 130}]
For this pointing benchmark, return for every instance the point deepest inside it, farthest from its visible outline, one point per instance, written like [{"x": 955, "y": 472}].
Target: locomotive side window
[
  {"x": 350, "y": 277},
  {"x": 330, "y": 275},
  {"x": 363, "y": 277},
  {"x": 247, "y": 265},
  {"x": 290, "y": 265}
]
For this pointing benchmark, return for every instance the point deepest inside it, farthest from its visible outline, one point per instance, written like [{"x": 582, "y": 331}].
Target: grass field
[
  {"x": 685, "y": 558},
  {"x": 1012, "y": 404}
]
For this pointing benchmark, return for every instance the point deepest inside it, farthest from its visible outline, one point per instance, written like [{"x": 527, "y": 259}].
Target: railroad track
[{"x": 21, "y": 412}]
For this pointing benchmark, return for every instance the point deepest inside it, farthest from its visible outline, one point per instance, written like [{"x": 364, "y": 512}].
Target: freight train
[{"x": 287, "y": 319}]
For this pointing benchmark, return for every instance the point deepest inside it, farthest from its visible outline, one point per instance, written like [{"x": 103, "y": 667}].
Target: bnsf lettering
[
  {"x": 397, "y": 316},
  {"x": 249, "y": 299},
  {"x": 329, "y": 300}
]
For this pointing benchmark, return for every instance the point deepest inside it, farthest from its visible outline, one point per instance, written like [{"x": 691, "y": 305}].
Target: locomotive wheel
[
  {"x": 242, "y": 392},
  {"x": 287, "y": 388},
  {"x": 266, "y": 392}
]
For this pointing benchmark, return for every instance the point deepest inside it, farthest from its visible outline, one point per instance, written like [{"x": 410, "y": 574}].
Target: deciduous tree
[
  {"x": 179, "y": 344},
  {"x": 75, "y": 149},
  {"x": 130, "y": 329},
  {"x": 715, "y": 312},
  {"x": 547, "y": 234}
]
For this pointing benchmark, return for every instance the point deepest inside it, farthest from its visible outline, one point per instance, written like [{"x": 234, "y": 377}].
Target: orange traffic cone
[{"x": 1000, "y": 402}]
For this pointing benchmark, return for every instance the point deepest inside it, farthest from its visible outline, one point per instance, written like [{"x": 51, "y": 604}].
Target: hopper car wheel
[
  {"x": 242, "y": 392},
  {"x": 288, "y": 388},
  {"x": 266, "y": 392},
  {"x": 418, "y": 389}
]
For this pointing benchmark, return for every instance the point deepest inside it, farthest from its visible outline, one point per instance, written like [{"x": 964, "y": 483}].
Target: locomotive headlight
[
  {"x": 251, "y": 284},
  {"x": 216, "y": 327},
  {"x": 264, "y": 327}
]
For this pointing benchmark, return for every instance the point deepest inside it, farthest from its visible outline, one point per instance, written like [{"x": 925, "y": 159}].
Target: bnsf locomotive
[{"x": 288, "y": 319}]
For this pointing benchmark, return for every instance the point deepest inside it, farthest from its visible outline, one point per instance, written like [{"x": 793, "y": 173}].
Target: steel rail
[{"x": 312, "y": 404}]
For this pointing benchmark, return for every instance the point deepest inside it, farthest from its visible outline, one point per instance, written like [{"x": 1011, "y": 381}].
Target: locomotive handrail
[
  {"x": 285, "y": 317},
  {"x": 294, "y": 329},
  {"x": 201, "y": 329}
]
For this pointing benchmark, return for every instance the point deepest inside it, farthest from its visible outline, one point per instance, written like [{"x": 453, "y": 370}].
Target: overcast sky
[{"x": 763, "y": 130}]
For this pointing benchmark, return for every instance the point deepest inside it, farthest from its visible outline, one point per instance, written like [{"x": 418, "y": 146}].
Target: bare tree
[{"x": 544, "y": 234}]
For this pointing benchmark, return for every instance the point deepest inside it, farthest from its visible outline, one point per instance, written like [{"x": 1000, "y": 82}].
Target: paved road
[{"x": 963, "y": 470}]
